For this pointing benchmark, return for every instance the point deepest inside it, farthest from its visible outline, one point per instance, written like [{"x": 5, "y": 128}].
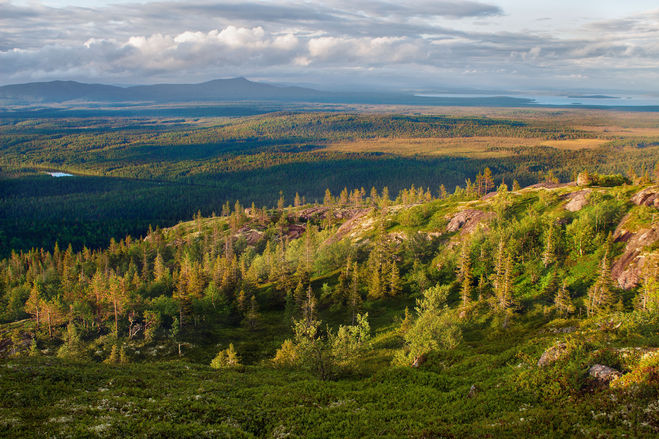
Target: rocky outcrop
[
  {"x": 467, "y": 220},
  {"x": 647, "y": 197},
  {"x": 577, "y": 200},
  {"x": 553, "y": 354},
  {"x": 357, "y": 220},
  {"x": 603, "y": 374},
  {"x": 584, "y": 179},
  {"x": 628, "y": 268}
]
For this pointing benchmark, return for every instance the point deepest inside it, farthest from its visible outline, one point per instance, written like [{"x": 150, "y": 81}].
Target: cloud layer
[{"x": 335, "y": 43}]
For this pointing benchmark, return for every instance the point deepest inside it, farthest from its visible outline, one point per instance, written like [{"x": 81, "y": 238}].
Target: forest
[
  {"x": 344, "y": 272},
  {"x": 135, "y": 171},
  {"x": 488, "y": 309}
]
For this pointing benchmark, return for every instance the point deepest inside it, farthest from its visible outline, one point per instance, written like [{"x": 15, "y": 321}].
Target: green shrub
[{"x": 226, "y": 359}]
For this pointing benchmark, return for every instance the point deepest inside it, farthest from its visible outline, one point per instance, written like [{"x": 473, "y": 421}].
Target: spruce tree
[
  {"x": 549, "y": 253},
  {"x": 563, "y": 302},
  {"x": 253, "y": 313},
  {"x": 354, "y": 299},
  {"x": 114, "y": 356},
  {"x": 395, "y": 286},
  {"x": 466, "y": 278},
  {"x": 601, "y": 296}
]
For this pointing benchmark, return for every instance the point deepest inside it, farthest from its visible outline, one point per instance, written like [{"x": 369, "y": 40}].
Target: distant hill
[
  {"x": 229, "y": 90},
  {"x": 216, "y": 90}
]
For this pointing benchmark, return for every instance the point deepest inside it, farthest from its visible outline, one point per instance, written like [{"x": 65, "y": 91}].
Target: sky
[{"x": 410, "y": 45}]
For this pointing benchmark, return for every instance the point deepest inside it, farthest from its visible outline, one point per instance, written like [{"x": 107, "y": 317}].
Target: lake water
[
  {"x": 576, "y": 100},
  {"x": 59, "y": 174}
]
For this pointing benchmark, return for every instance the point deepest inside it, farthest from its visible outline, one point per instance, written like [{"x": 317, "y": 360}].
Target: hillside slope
[{"x": 527, "y": 312}]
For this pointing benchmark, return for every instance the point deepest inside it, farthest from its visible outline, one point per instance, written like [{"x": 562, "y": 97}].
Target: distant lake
[
  {"x": 59, "y": 174},
  {"x": 576, "y": 100}
]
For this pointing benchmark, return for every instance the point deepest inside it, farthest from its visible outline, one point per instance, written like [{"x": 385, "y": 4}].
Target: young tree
[
  {"x": 175, "y": 332},
  {"x": 253, "y": 315},
  {"x": 549, "y": 253},
  {"x": 52, "y": 311},
  {"x": 152, "y": 321},
  {"x": 601, "y": 296},
  {"x": 327, "y": 200},
  {"x": 242, "y": 302},
  {"x": 503, "y": 284},
  {"x": 375, "y": 290},
  {"x": 123, "y": 356},
  {"x": 406, "y": 323},
  {"x": 34, "y": 303},
  {"x": 355, "y": 298},
  {"x": 395, "y": 286},
  {"x": 117, "y": 297},
  {"x": 226, "y": 359},
  {"x": 563, "y": 302},
  {"x": 287, "y": 355},
  {"x": 349, "y": 341},
  {"x": 309, "y": 306},
  {"x": 114, "y": 356},
  {"x": 488, "y": 181},
  {"x": 433, "y": 329},
  {"x": 465, "y": 276},
  {"x": 648, "y": 295},
  {"x": 72, "y": 347}
]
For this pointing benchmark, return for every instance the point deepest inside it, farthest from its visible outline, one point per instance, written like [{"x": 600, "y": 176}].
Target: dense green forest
[
  {"x": 133, "y": 172},
  {"x": 479, "y": 310}
]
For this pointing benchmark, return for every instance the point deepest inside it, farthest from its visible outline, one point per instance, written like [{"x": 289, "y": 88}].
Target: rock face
[
  {"x": 354, "y": 221},
  {"x": 584, "y": 179},
  {"x": 627, "y": 269},
  {"x": 603, "y": 374},
  {"x": 553, "y": 354},
  {"x": 467, "y": 220},
  {"x": 647, "y": 197},
  {"x": 577, "y": 200}
]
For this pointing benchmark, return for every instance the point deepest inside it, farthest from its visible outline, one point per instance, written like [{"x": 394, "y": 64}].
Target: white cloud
[{"x": 420, "y": 42}]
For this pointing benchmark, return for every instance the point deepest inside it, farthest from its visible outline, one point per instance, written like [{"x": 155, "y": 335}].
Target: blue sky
[{"x": 428, "y": 45}]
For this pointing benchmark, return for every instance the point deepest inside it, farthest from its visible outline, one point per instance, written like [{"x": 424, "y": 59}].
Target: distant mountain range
[
  {"x": 236, "y": 89},
  {"x": 71, "y": 93}
]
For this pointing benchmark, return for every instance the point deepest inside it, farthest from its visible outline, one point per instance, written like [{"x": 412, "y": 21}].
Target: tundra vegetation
[{"x": 479, "y": 312}]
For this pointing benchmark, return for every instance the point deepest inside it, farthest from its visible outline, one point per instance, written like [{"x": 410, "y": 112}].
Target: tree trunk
[
  {"x": 50, "y": 327},
  {"x": 116, "y": 320},
  {"x": 418, "y": 360}
]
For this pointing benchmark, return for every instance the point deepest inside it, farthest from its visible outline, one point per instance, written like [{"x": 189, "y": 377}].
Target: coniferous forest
[{"x": 330, "y": 274}]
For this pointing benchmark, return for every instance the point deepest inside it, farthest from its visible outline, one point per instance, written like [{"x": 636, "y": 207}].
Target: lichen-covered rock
[
  {"x": 553, "y": 354},
  {"x": 584, "y": 179},
  {"x": 603, "y": 374},
  {"x": 628, "y": 268},
  {"x": 577, "y": 200},
  {"x": 647, "y": 197},
  {"x": 467, "y": 220}
]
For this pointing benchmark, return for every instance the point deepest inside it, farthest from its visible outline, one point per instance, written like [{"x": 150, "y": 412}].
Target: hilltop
[{"x": 510, "y": 312}]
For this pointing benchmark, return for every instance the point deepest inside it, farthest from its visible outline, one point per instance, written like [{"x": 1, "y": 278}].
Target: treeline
[
  {"x": 226, "y": 270},
  {"x": 37, "y": 211},
  {"x": 163, "y": 171}
]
